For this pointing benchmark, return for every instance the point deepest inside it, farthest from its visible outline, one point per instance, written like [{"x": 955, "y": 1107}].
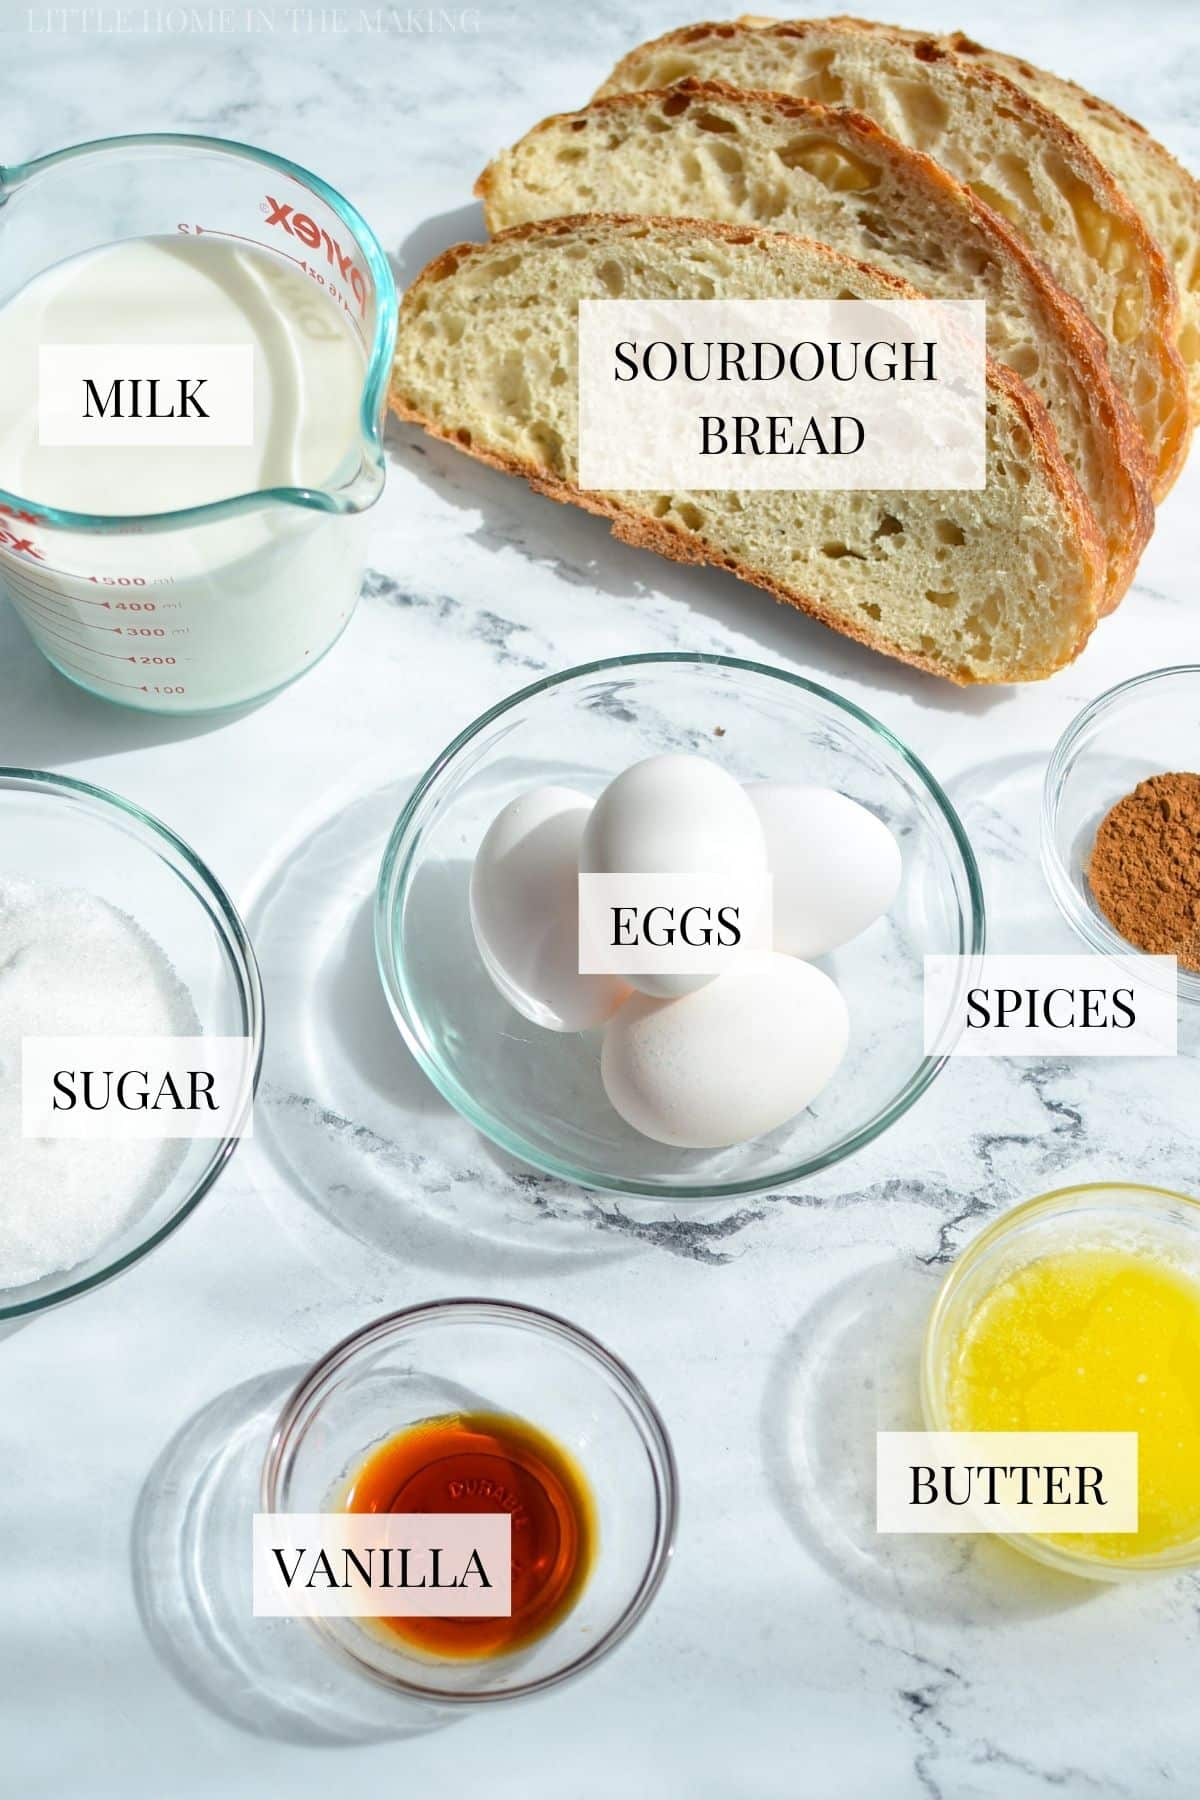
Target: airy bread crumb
[{"x": 997, "y": 585}]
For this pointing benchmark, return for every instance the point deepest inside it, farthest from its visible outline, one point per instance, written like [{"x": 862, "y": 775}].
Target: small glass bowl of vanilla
[
  {"x": 1080, "y": 1311},
  {"x": 481, "y": 1406}
]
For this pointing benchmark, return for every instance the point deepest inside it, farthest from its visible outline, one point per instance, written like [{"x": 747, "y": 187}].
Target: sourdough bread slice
[
  {"x": 1161, "y": 189},
  {"x": 704, "y": 150},
  {"x": 996, "y": 585},
  {"x": 1019, "y": 158}
]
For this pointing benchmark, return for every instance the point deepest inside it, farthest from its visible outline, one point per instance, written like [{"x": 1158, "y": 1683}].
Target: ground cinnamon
[{"x": 1144, "y": 870}]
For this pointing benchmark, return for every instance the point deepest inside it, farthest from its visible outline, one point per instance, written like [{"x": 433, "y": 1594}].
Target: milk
[{"x": 207, "y": 614}]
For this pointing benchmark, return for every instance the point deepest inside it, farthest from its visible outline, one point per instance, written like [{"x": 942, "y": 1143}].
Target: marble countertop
[{"x": 790, "y": 1652}]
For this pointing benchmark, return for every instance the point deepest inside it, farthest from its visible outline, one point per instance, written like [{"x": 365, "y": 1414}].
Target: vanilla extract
[{"x": 473, "y": 1463}]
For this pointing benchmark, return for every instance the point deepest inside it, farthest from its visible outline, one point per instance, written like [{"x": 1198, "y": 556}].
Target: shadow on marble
[
  {"x": 190, "y": 1554},
  {"x": 850, "y": 1368},
  {"x": 581, "y": 550},
  {"x": 48, "y": 722},
  {"x": 348, "y": 1117},
  {"x": 577, "y": 546},
  {"x": 463, "y": 224},
  {"x": 10, "y": 1327}
]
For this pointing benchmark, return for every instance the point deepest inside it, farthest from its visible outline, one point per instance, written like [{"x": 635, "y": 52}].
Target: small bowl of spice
[{"x": 1121, "y": 821}]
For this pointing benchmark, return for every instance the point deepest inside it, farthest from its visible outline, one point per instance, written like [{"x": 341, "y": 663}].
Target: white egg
[
  {"x": 835, "y": 866},
  {"x": 729, "y": 1062},
  {"x": 525, "y": 912},
  {"x": 673, "y": 814}
]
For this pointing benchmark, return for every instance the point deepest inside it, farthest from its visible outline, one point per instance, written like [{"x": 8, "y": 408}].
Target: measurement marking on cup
[
  {"x": 64, "y": 618},
  {"x": 45, "y": 606},
  {"x": 46, "y": 631},
  {"x": 55, "y": 589},
  {"x": 41, "y": 594},
  {"x": 40, "y": 587},
  {"x": 91, "y": 651},
  {"x": 69, "y": 619},
  {"x": 111, "y": 680},
  {"x": 56, "y": 592},
  {"x": 41, "y": 609}
]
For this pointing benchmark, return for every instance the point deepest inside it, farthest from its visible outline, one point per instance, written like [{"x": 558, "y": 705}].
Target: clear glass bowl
[
  {"x": 538, "y": 1094},
  {"x": 489, "y": 1356},
  {"x": 69, "y": 834},
  {"x": 1100, "y": 1215},
  {"x": 1149, "y": 725}
]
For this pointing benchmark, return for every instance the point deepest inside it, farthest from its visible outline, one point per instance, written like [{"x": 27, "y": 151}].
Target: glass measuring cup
[{"x": 206, "y": 606}]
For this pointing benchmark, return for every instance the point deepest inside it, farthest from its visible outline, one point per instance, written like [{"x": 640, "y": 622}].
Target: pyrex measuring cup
[{"x": 206, "y": 606}]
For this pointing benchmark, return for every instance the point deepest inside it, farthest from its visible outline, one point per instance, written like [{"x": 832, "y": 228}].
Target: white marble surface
[{"x": 786, "y": 1654}]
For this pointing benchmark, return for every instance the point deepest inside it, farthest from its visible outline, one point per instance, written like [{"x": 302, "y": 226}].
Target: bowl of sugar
[{"x": 110, "y": 927}]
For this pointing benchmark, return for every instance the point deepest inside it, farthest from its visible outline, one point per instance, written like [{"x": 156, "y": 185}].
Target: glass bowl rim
[
  {"x": 542, "y": 1323},
  {"x": 150, "y": 833},
  {"x": 1055, "y": 1201},
  {"x": 1093, "y": 927},
  {"x": 391, "y": 886}
]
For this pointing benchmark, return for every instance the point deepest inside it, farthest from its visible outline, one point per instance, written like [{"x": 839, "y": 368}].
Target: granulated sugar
[{"x": 72, "y": 965}]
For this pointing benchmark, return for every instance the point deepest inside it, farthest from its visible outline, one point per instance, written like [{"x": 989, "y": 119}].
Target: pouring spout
[{"x": 365, "y": 486}]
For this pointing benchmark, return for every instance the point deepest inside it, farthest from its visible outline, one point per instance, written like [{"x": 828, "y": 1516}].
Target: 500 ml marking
[{"x": 130, "y": 581}]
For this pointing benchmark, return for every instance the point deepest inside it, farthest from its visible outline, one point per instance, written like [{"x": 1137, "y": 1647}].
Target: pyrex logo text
[
  {"x": 13, "y": 540},
  {"x": 299, "y": 225},
  {"x": 20, "y": 546}
]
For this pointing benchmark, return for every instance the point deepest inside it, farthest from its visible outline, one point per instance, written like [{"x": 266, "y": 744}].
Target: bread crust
[
  {"x": 643, "y": 531},
  {"x": 1079, "y": 337},
  {"x": 962, "y": 45},
  {"x": 1163, "y": 294},
  {"x": 967, "y": 48},
  {"x": 1160, "y": 167}
]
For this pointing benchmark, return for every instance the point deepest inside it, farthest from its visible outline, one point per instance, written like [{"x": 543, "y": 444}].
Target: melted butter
[{"x": 1095, "y": 1340}]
